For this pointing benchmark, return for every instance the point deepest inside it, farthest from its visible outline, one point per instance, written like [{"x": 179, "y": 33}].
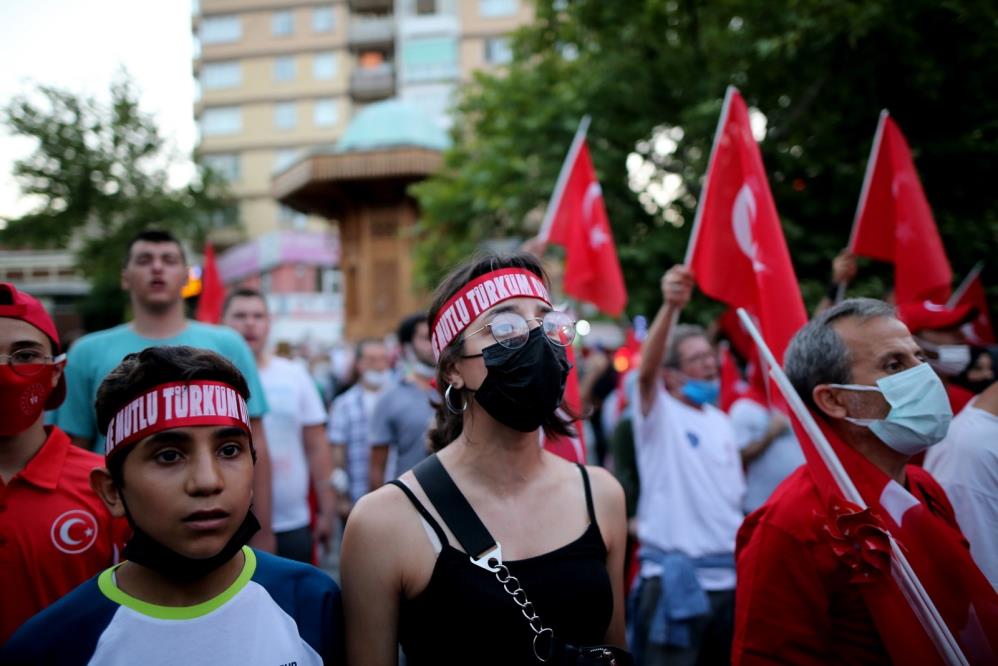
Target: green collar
[{"x": 110, "y": 589}]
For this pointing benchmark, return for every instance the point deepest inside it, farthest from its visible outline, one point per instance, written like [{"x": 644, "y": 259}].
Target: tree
[
  {"x": 652, "y": 74},
  {"x": 100, "y": 173}
]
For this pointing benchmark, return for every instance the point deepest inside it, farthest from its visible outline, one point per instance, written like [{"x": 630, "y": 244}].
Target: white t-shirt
[
  {"x": 750, "y": 421},
  {"x": 294, "y": 403},
  {"x": 965, "y": 464},
  {"x": 691, "y": 483}
]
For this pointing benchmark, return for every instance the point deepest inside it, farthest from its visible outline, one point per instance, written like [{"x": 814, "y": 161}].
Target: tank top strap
[
  {"x": 589, "y": 493},
  {"x": 422, "y": 510}
]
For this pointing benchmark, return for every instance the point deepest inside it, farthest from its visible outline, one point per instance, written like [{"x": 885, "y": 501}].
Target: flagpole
[
  {"x": 864, "y": 192},
  {"x": 911, "y": 587},
  {"x": 965, "y": 285},
  {"x": 566, "y": 169},
  {"x": 698, "y": 216}
]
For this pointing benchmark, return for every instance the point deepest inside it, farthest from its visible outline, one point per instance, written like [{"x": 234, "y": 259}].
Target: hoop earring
[{"x": 450, "y": 406}]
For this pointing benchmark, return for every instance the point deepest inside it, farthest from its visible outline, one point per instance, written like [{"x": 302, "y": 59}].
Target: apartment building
[{"x": 279, "y": 77}]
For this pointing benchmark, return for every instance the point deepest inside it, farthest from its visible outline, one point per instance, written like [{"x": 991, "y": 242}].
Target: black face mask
[
  {"x": 523, "y": 386},
  {"x": 143, "y": 549}
]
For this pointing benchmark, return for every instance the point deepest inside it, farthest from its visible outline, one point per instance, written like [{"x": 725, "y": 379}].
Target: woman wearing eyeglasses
[{"x": 492, "y": 551}]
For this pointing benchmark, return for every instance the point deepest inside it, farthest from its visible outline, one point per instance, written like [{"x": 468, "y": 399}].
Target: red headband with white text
[
  {"x": 478, "y": 296},
  {"x": 176, "y": 405}
]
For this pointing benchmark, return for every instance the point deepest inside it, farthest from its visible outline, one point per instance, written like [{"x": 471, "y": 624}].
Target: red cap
[
  {"x": 933, "y": 316},
  {"x": 18, "y": 305}
]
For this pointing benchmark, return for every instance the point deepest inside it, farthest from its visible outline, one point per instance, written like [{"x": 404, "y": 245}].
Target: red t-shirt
[
  {"x": 55, "y": 533},
  {"x": 794, "y": 603}
]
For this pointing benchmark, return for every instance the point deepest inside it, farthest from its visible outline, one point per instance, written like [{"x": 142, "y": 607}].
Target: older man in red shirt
[
  {"x": 814, "y": 572},
  {"x": 54, "y": 531}
]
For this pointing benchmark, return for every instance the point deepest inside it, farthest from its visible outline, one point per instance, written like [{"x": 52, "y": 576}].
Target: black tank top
[{"x": 465, "y": 617}]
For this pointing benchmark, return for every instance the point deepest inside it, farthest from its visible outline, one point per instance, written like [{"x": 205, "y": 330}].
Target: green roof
[{"x": 392, "y": 124}]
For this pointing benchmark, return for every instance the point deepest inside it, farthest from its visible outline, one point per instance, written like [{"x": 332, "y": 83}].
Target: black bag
[{"x": 485, "y": 552}]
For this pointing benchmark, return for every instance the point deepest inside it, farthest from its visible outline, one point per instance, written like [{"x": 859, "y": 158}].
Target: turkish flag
[
  {"x": 737, "y": 252},
  {"x": 980, "y": 331},
  {"x": 936, "y": 550},
  {"x": 580, "y": 224},
  {"x": 894, "y": 222},
  {"x": 212, "y": 290}
]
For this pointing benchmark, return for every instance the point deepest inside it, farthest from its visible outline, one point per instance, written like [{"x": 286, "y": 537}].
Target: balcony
[
  {"x": 370, "y": 5},
  {"x": 372, "y": 83},
  {"x": 371, "y": 32}
]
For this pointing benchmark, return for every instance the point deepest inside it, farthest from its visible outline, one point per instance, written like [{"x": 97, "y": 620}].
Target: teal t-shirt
[{"x": 93, "y": 356}]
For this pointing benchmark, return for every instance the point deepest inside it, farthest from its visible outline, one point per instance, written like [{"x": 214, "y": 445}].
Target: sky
[{"x": 80, "y": 46}]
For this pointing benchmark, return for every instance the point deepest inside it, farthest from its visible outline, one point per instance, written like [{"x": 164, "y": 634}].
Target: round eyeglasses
[
  {"x": 29, "y": 362},
  {"x": 511, "y": 330}
]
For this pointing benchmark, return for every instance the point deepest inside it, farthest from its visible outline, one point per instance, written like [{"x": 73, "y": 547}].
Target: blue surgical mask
[
  {"x": 920, "y": 411},
  {"x": 702, "y": 391}
]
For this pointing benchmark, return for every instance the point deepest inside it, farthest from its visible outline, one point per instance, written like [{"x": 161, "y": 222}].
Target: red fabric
[
  {"x": 980, "y": 331},
  {"x": 212, "y": 290},
  {"x": 731, "y": 327},
  {"x": 795, "y": 603},
  {"x": 740, "y": 256},
  {"x": 958, "y": 397},
  {"x": 936, "y": 550},
  {"x": 926, "y": 315},
  {"x": 733, "y": 385},
  {"x": 894, "y": 222},
  {"x": 46, "y": 511},
  {"x": 572, "y": 449},
  {"x": 581, "y": 226}
]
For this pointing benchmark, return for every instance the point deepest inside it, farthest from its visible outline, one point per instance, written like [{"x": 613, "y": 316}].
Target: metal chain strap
[{"x": 508, "y": 581}]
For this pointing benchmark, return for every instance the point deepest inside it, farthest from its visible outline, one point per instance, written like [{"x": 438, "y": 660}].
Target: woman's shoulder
[
  {"x": 385, "y": 512},
  {"x": 606, "y": 488}
]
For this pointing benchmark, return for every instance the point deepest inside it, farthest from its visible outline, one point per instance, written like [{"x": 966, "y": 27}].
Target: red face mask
[{"x": 22, "y": 398}]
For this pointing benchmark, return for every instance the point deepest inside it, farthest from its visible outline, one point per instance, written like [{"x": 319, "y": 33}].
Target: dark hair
[
  {"x": 151, "y": 367},
  {"x": 407, "y": 327},
  {"x": 359, "y": 349},
  {"x": 153, "y": 236},
  {"x": 242, "y": 292},
  {"x": 448, "y": 426},
  {"x": 817, "y": 354}
]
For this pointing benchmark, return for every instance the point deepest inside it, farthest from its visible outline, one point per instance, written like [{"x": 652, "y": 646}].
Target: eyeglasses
[
  {"x": 511, "y": 330},
  {"x": 29, "y": 362}
]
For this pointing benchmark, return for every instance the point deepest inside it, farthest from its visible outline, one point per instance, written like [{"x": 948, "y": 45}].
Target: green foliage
[
  {"x": 100, "y": 174},
  {"x": 820, "y": 71}
]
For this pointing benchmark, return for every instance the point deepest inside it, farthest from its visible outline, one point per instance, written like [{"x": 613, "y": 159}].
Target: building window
[
  {"x": 426, "y": 7},
  {"x": 496, "y": 8},
  {"x": 225, "y": 165},
  {"x": 221, "y": 29},
  {"x": 324, "y": 66},
  {"x": 324, "y": 113},
  {"x": 284, "y": 68},
  {"x": 498, "y": 51},
  {"x": 429, "y": 59},
  {"x": 285, "y": 115},
  {"x": 216, "y": 75},
  {"x": 289, "y": 218},
  {"x": 284, "y": 158},
  {"x": 282, "y": 23},
  {"x": 221, "y": 120},
  {"x": 323, "y": 19}
]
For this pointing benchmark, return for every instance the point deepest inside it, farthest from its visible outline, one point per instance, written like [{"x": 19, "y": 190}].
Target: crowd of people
[{"x": 167, "y": 485}]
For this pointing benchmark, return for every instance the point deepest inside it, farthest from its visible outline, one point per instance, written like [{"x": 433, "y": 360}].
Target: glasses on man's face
[
  {"x": 28, "y": 362},
  {"x": 511, "y": 330}
]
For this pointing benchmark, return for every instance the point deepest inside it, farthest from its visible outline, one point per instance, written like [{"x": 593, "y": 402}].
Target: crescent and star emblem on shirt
[{"x": 74, "y": 531}]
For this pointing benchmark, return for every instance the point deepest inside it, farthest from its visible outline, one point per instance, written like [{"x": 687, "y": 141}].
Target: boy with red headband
[
  {"x": 55, "y": 532},
  {"x": 179, "y": 467}
]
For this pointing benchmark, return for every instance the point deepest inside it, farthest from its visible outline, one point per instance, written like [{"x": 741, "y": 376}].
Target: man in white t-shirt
[
  {"x": 692, "y": 486},
  {"x": 965, "y": 464},
  {"x": 295, "y": 422},
  {"x": 768, "y": 448}
]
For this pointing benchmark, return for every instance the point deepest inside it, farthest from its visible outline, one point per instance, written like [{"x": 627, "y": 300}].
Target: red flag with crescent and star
[
  {"x": 894, "y": 222},
  {"x": 580, "y": 224},
  {"x": 737, "y": 251}
]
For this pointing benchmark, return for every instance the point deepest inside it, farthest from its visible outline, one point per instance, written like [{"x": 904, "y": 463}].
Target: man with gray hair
[
  {"x": 692, "y": 484},
  {"x": 861, "y": 373}
]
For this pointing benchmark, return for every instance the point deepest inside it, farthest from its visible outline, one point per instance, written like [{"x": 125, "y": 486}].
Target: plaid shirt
[{"x": 348, "y": 423}]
